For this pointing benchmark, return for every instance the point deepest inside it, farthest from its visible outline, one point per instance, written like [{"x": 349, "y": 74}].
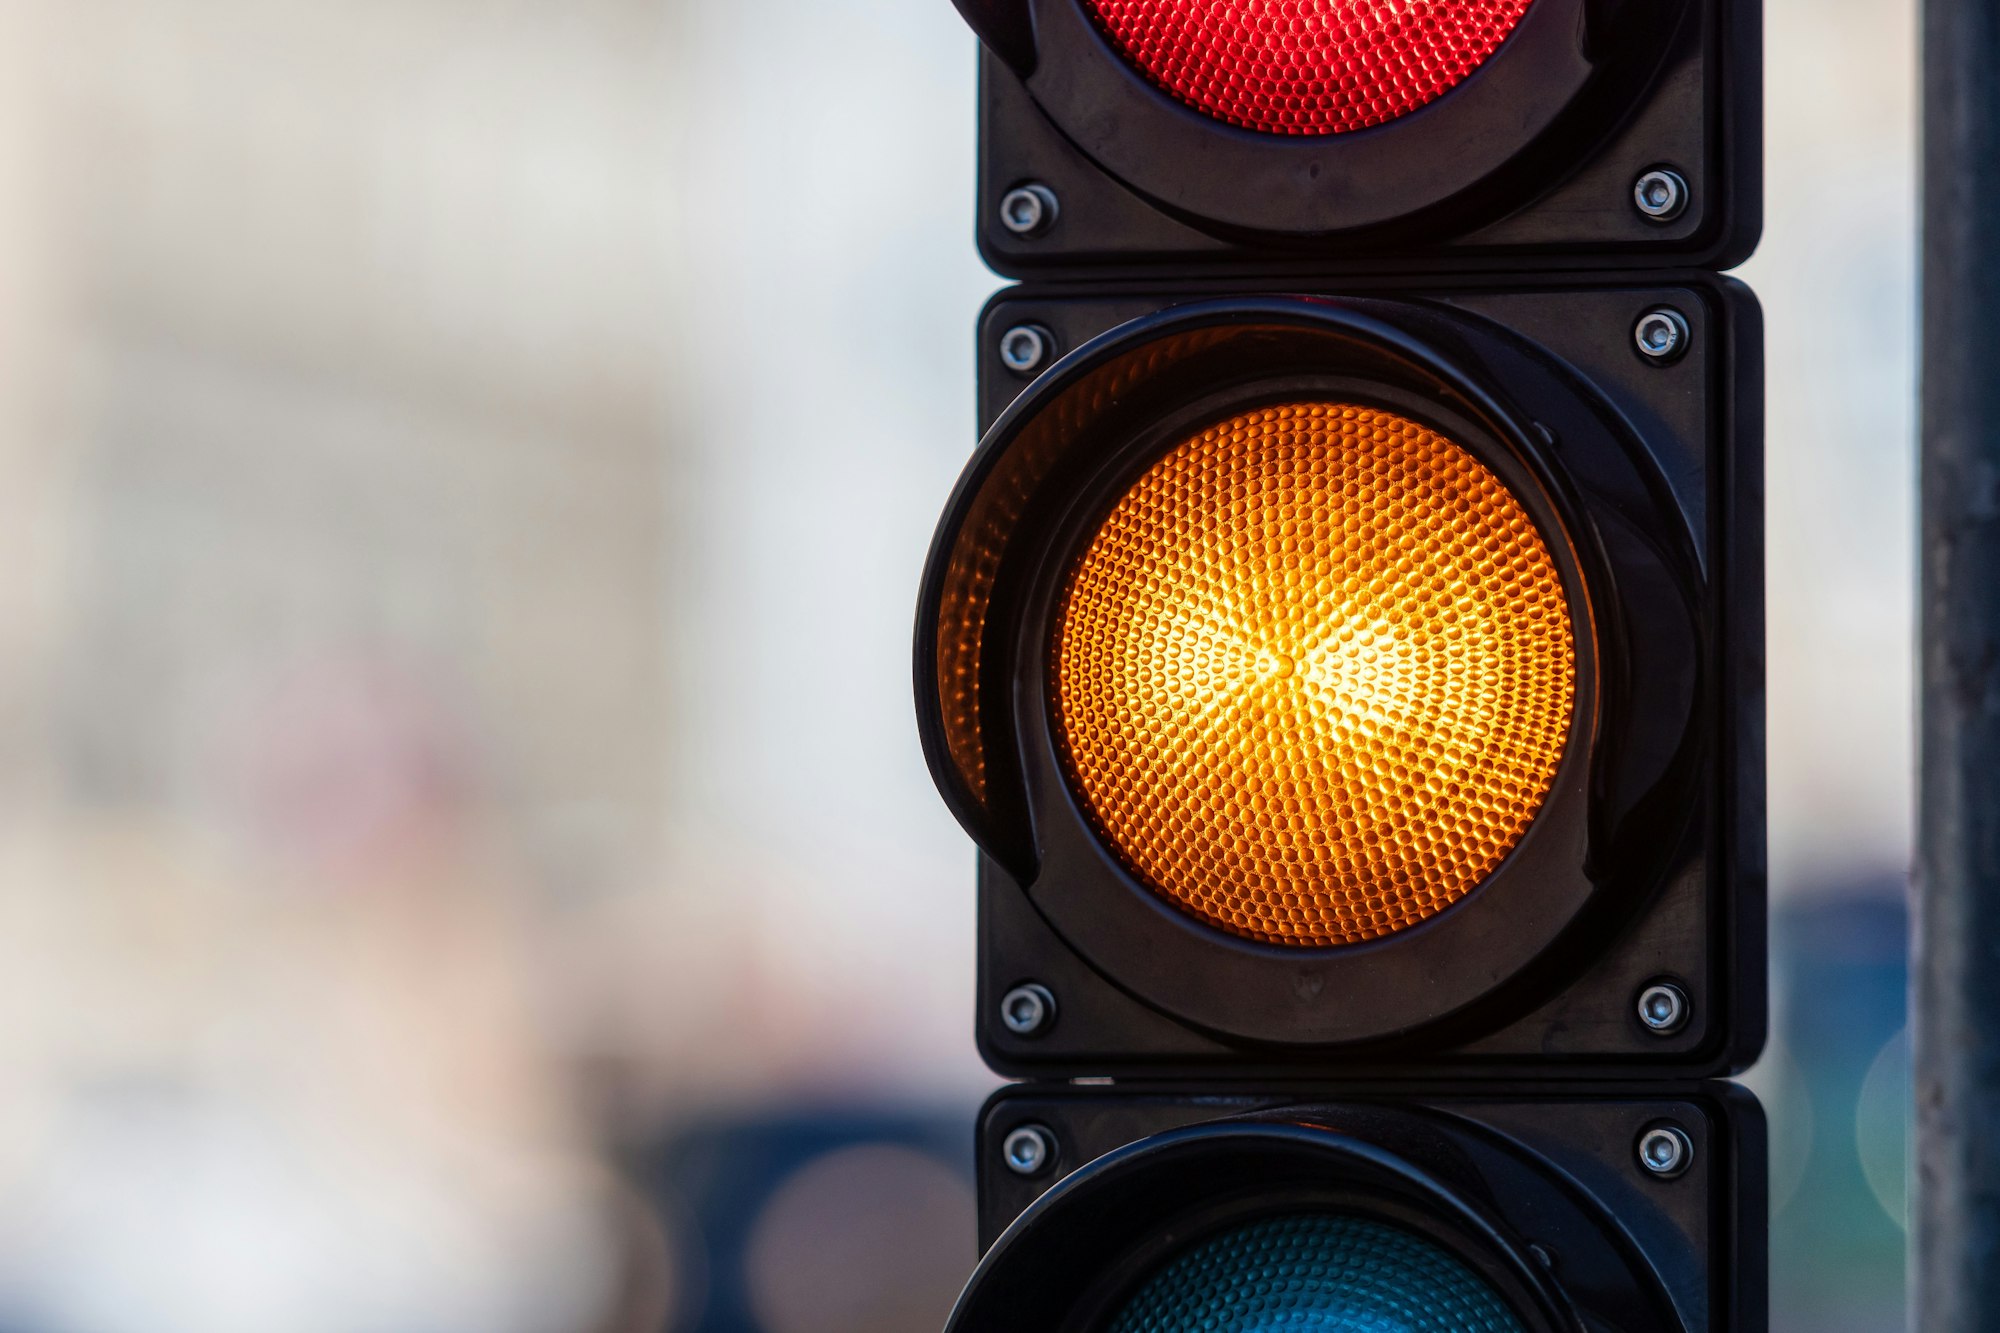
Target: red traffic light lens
[
  {"x": 1307, "y": 66},
  {"x": 1314, "y": 674}
]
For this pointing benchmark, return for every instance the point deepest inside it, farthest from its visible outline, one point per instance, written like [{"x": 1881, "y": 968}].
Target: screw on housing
[
  {"x": 1663, "y": 1008},
  {"x": 1029, "y": 210},
  {"x": 1661, "y": 195},
  {"x": 1666, "y": 1151},
  {"x": 1028, "y": 1010},
  {"x": 1028, "y": 1150},
  {"x": 1662, "y": 335},
  {"x": 1024, "y": 348}
]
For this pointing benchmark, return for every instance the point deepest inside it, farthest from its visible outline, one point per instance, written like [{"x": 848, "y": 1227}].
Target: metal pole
[{"x": 1955, "y": 1239}]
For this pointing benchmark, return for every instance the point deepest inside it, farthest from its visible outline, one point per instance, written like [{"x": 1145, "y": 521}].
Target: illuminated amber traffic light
[
  {"x": 1307, "y": 66},
  {"x": 1331, "y": 678},
  {"x": 1344, "y": 648},
  {"x": 1314, "y": 674}
]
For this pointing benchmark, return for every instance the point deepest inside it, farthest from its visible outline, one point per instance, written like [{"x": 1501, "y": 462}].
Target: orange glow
[{"x": 1314, "y": 674}]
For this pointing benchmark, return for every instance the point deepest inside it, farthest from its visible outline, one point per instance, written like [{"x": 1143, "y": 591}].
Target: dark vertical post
[{"x": 1955, "y": 1257}]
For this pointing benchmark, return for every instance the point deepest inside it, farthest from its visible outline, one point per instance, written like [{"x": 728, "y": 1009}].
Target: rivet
[
  {"x": 1029, "y": 210},
  {"x": 1662, "y": 335},
  {"x": 1663, "y": 1008},
  {"x": 1661, "y": 195},
  {"x": 1024, "y": 348},
  {"x": 1666, "y": 1151},
  {"x": 1028, "y": 1150},
  {"x": 1028, "y": 1010}
]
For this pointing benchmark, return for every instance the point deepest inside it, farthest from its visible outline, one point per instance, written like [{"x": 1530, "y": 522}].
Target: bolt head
[
  {"x": 1023, "y": 349},
  {"x": 1028, "y": 210},
  {"x": 1666, "y": 1151},
  {"x": 1661, "y": 195},
  {"x": 1663, "y": 1008},
  {"x": 1662, "y": 335},
  {"x": 1028, "y": 1150},
  {"x": 1028, "y": 1010}
]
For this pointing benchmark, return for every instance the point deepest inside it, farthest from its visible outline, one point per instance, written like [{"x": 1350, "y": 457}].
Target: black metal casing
[
  {"x": 1616, "y": 904},
  {"x": 1538, "y": 1188},
  {"x": 1531, "y": 161},
  {"x": 1479, "y": 266}
]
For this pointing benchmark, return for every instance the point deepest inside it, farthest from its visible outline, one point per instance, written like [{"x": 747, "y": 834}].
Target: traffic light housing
[
  {"x": 1257, "y": 136},
  {"x": 1345, "y": 649},
  {"x": 1640, "y": 863},
  {"x": 1637, "y": 1209}
]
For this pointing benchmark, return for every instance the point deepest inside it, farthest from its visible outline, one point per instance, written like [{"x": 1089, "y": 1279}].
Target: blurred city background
[{"x": 465, "y": 860}]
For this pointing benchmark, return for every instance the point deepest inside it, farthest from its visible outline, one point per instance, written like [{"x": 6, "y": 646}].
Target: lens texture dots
[
  {"x": 1307, "y": 66},
  {"x": 1329, "y": 1273},
  {"x": 1313, "y": 674}
]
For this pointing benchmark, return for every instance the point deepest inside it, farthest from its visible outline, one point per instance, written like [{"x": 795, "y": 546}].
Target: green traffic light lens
[{"x": 1326, "y": 1272}]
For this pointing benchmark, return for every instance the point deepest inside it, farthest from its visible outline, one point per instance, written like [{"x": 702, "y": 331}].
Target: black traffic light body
[
  {"x": 1544, "y": 1191},
  {"x": 1646, "y": 865},
  {"x": 1532, "y": 162},
  {"x": 1369, "y": 898}
]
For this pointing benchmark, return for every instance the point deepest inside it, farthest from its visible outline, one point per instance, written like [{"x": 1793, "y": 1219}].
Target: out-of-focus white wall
[
  {"x": 332, "y": 440},
  {"x": 1837, "y": 276},
  {"x": 823, "y": 405},
  {"x": 464, "y": 469}
]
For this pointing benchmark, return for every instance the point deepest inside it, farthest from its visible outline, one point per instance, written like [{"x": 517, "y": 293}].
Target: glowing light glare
[
  {"x": 1314, "y": 674},
  {"x": 1307, "y": 66}
]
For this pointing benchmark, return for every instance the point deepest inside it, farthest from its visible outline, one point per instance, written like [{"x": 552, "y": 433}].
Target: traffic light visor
[
  {"x": 1306, "y": 67},
  {"x": 1316, "y": 1271},
  {"x": 1314, "y": 674}
]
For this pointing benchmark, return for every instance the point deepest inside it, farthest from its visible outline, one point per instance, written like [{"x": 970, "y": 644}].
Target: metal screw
[
  {"x": 1666, "y": 1151},
  {"x": 1028, "y": 1150},
  {"x": 1029, "y": 210},
  {"x": 1661, "y": 194},
  {"x": 1662, "y": 335},
  {"x": 1663, "y": 1008},
  {"x": 1028, "y": 1010},
  {"x": 1023, "y": 348}
]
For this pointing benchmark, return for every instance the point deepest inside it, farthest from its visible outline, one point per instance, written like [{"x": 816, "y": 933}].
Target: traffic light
[
  {"x": 1345, "y": 649},
  {"x": 1398, "y": 1209},
  {"x": 1371, "y": 677},
  {"x": 1425, "y": 136}
]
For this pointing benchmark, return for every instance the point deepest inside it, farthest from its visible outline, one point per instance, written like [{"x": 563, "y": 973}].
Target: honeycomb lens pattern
[
  {"x": 980, "y": 547},
  {"x": 1333, "y": 1273},
  {"x": 1313, "y": 674},
  {"x": 1307, "y": 66}
]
